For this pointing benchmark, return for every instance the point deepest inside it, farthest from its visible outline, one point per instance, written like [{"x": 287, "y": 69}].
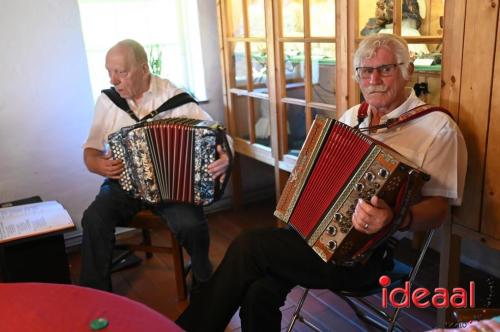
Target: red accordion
[{"x": 336, "y": 166}]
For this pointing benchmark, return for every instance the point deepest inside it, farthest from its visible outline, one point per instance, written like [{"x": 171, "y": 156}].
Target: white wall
[
  {"x": 210, "y": 48},
  {"x": 45, "y": 104}
]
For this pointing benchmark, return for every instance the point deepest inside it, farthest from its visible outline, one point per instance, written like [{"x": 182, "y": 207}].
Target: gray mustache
[{"x": 379, "y": 88}]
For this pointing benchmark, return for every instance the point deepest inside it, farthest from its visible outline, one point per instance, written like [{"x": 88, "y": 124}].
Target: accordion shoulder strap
[
  {"x": 412, "y": 114},
  {"x": 120, "y": 102},
  {"x": 174, "y": 102},
  {"x": 362, "y": 113}
]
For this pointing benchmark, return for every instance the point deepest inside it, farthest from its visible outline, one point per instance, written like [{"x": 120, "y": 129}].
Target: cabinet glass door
[
  {"x": 420, "y": 23},
  {"x": 246, "y": 75},
  {"x": 306, "y": 61}
]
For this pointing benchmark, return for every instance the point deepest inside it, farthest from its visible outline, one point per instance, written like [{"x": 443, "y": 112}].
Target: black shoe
[{"x": 196, "y": 288}]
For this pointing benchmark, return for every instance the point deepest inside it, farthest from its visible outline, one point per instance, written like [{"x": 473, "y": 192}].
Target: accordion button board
[
  {"x": 337, "y": 166},
  {"x": 167, "y": 160}
]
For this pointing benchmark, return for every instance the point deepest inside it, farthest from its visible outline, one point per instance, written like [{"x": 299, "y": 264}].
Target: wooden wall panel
[
  {"x": 475, "y": 90},
  {"x": 453, "y": 43},
  {"x": 490, "y": 221}
]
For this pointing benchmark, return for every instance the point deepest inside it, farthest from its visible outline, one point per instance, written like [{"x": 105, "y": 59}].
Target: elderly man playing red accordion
[{"x": 262, "y": 266}]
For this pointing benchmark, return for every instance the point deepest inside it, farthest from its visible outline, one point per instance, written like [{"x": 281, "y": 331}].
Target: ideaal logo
[{"x": 419, "y": 297}]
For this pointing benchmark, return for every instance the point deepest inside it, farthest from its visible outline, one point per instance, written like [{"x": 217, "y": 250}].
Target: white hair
[{"x": 372, "y": 43}]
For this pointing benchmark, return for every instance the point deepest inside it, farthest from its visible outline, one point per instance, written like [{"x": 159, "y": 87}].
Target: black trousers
[
  {"x": 258, "y": 271},
  {"x": 114, "y": 207}
]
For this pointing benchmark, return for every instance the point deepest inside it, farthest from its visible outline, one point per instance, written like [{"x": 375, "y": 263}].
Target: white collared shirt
[
  {"x": 433, "y": 142},
  {"x": 109, "y": 118}
]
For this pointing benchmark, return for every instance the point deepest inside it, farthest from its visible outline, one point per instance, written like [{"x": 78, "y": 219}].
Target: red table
[{"x": 39, "y": 307}]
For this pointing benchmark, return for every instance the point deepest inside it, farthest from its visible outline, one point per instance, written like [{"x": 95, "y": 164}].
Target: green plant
[{"x": 155, "y": 59}]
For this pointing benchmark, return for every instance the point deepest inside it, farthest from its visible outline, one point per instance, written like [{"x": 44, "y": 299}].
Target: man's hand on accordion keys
[
  {"x": 219, "y": 167},
  {"x": 111, "y": 168},
  {"x": 101, "y": 163},
  {"x": 371, "y": 217}
]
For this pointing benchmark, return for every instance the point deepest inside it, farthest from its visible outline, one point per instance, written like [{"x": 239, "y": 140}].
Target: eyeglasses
[{"x": 383, "y": 70}]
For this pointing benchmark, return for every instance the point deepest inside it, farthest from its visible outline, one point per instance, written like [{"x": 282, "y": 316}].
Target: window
[{"x": 168, "y": 29}]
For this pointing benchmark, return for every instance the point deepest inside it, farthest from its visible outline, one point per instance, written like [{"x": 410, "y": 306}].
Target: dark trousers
[
  {"x": 114, "y": 207},
  {"x": 258, "y": 271}
]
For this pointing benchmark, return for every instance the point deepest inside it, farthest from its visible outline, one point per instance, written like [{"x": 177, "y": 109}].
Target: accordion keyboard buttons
[
  {"x": 337, "y": 216},
  {"x": 369, "y": 176},
  {"x": 332, "y": 245},
  {"x": 331, "y": 230},
  {"x": 125, "y": 181},
  {"x": 384, "y": 173},
  {"x": 359, "y": 187}
]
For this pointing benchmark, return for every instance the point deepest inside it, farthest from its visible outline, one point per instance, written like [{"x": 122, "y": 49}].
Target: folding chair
[{"x": 399, "y": 274}]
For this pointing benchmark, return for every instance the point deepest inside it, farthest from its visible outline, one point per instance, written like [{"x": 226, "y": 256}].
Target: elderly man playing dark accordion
[
  {"x": 262, "y": 266},
  {"x": 136, "y": 95}
]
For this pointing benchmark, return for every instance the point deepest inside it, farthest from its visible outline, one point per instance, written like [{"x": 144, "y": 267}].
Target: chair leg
[
  {"x": 298, "y": 317},
  {"x": 146, "y": 240},
  {"x": 296, "y": 313},
  {"x": 180, "y": 278},
  {"x": 393, "y": 322}
]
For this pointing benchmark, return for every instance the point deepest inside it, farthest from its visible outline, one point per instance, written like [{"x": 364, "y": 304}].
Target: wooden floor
[{"x": 152, "y": 281}]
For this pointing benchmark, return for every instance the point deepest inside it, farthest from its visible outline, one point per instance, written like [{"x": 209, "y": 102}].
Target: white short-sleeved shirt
[
  {"x": 433, "y": 142},
  {"x": 108, "y": 118}
]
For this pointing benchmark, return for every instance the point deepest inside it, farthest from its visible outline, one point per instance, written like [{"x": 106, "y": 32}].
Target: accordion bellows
[
  {"x": 336, "y": 166},
  {"x": 166, "y": 160}
]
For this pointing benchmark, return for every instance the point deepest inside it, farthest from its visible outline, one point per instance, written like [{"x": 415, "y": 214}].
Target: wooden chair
[{"x": 147, "y": 221}]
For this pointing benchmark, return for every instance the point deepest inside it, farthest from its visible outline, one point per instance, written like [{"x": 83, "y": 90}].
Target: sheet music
[{"x": 33, "y": 219}]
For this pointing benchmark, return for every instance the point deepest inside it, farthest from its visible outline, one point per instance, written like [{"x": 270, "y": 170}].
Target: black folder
[{"x": 35, "y": 259}]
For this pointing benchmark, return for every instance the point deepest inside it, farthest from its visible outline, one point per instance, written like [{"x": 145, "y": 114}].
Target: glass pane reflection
[
  {"x": 296, "y": 127},
  {"x": 256, "y": 18},
  {"x": 262, "y": 122},
  {"x": 239, "y": 80},
  {"x": 240, "y": 110},
  {"x": 293, "y": 18},
  {"x": 422, "y": 18},
  {"x": 323, "y": 72},
  {"x": 325, "y": 113},
  {"x": 373, "y": 16},
  {"x": 259, "y": 67},
  {"x": 426, "y": 80},
  {"x": 294, "y": 70},
  {"x": 419, "y": 17},
  {"x": 322, "y": 13},
  {"x": 237, "y": 18}
]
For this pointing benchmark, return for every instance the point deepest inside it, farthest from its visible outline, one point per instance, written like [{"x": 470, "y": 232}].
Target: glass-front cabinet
[
  {"x": 245, "y": 60},
  {"x": 286, "y": 61},
  {"x": 306, "y": 60},
  {"x": 420, "y": 23}
]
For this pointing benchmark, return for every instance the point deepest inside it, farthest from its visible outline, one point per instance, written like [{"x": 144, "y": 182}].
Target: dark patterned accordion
[
  {"x": 336, "y": 166},
  {"x": 166, "y": 160}
]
